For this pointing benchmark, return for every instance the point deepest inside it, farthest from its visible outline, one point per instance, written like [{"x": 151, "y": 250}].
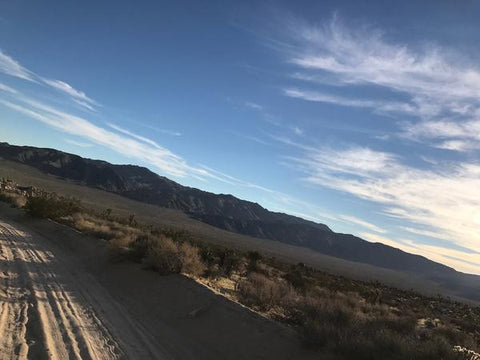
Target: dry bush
[
  {"x": 102, "y": 228},
  {"x": 119, "y": 247},
  {"x": 16, "y": 200},
  {"x": 51, "y": 205},
  {"x": 261, "y": 292},
  {"x": 163, "y": 256},
  {"x": 191, "y": 261},
  {"x": 352, "y": 329}
]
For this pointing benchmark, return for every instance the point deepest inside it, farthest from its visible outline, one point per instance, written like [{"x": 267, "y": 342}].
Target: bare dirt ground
[
  {"x": 60, "y": 298},
  {"x": 49, "y": 312}
]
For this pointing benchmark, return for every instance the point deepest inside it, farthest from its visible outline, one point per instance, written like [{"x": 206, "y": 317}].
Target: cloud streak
[
  {"x": 11, "y": 67},
  {"x": 444, "y": 200},
  {"x": 78, "y": 96},
  {"x": 363, "y": 57},
  {"x": 430, "y": 83}
]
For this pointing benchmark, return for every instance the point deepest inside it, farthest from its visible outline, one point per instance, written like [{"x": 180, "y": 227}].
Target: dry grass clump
[
  {"x": 346, "y": 325},
  {"x": 52, "y": 206},
  {"x": 16, "y": 200},
  {"x": 191, "y": 261},
  {"x": 262, "y": 293},
  {"x": 163, "y": 257},
  {"x": 103, "y": 228},
  {"x": 162, "y": 254}
]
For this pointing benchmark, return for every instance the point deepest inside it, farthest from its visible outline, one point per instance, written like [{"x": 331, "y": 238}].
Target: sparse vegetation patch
[{"x": 347, "y": 318}]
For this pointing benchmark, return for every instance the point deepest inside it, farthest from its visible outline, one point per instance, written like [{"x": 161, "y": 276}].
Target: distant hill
[{"x": 223, "y": 211}]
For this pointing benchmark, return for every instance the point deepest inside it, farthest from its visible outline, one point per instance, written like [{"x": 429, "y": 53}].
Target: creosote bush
[
  {"x": 262, "y": 293},
  {"x": 191, "y": 261},
  {"x": 163, "y": 257},
  {"x": 162, "y": 254},
  {"x": 52, "y": 206}
]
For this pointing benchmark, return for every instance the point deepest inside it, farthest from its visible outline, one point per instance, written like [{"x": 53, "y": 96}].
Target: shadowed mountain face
[{"x": 223, "y": 211}]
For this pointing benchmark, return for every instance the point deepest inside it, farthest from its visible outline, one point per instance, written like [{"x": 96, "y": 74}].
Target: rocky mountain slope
[{"x": 223, "y": 211}]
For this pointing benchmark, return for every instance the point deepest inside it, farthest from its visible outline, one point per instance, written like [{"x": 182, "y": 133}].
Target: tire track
[
  {"x": 50, "y": 310},
  {"x": 39, "y": 318}
]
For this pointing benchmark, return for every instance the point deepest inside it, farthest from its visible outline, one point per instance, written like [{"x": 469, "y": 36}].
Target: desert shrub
[
  {"x": 229, "y": 261},
  {"x": 191, "y": 261},
  {"x": 210, "y": 257},
  {"x": 13, "y": 199},
  {"x": 296, "y": 277},
  {"x": 163, "y": 256},
  {"x": 343, "y": 324},
  {"x": 101, "y": 227},
  {"x": 261, "y": 292},
  {"x": 51, "y": 205},
  {"x": 119, "y": 248},
  {"x": 253, "y": 258},
  {"x": 140, "y": 247}
]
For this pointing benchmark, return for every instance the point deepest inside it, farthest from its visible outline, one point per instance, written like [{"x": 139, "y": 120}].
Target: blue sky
[{"x": 361, "y": 115}]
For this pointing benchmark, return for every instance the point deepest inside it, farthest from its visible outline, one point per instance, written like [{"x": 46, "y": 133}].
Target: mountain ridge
[{"x": 221, "y": 210}]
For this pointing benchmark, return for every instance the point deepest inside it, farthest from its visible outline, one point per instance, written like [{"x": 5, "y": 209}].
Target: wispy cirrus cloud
[
  {"x": 433, "y": 96},
  {"x": 112, "y": 136},
  {"x": 129, "y": 146},
  {"x": 78, "y": 96},
  {"x": 7, "y": 89},
  {"x": 133, "y": 135},
  {"x": 434, "y": 80},
  {"x": 444, "y": 200},
  {"x": 446, "y": 134},
  {"x": 365, "y": 224},
  {"x": 254, "y": 106},
  {"x": 374, "y": 105},
  {"x": 425, "y": 82},
  {"x": 460, "y": 260},
  {"x": 11, "y": 67},
  {"x": 78, "y": 143}
]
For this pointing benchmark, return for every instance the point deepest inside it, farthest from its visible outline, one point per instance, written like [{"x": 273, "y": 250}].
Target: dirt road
[
  {"x": 48, "y": 310},
  {"x": 62, "y": 298}
]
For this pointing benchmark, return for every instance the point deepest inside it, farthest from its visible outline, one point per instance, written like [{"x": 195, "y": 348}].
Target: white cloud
[
  {"x": 465, "y": 262},
  {"x": 161, "y": 158},
  {"x": 377, "y": 106},
  {"x": 446, "y": 134},
  {"x": 11, "y": 67},
  {"x": 363, "y": 223},
  {"x": 445, "y": 199},
  {"x": 297, "y": 131},
  {"x": 8, "y": 89},
  {"x": 78, "y": 143},
  {"x": 133, "y": 135},
  {"x": 79, "y": 97},
  {"x": 254, "y": 106},
  {"x": 363, "y": 56},
  {"x": 430, "y": 82}
]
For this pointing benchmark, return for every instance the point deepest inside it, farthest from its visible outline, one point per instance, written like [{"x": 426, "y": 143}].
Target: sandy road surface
[{"x": 50, "y": 311}]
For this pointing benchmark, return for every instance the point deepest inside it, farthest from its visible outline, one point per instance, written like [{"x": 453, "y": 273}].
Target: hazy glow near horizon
[{"x": 366, "y": 120}]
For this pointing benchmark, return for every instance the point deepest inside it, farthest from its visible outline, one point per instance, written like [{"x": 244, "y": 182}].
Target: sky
[{"x": 363, "y": 115}]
